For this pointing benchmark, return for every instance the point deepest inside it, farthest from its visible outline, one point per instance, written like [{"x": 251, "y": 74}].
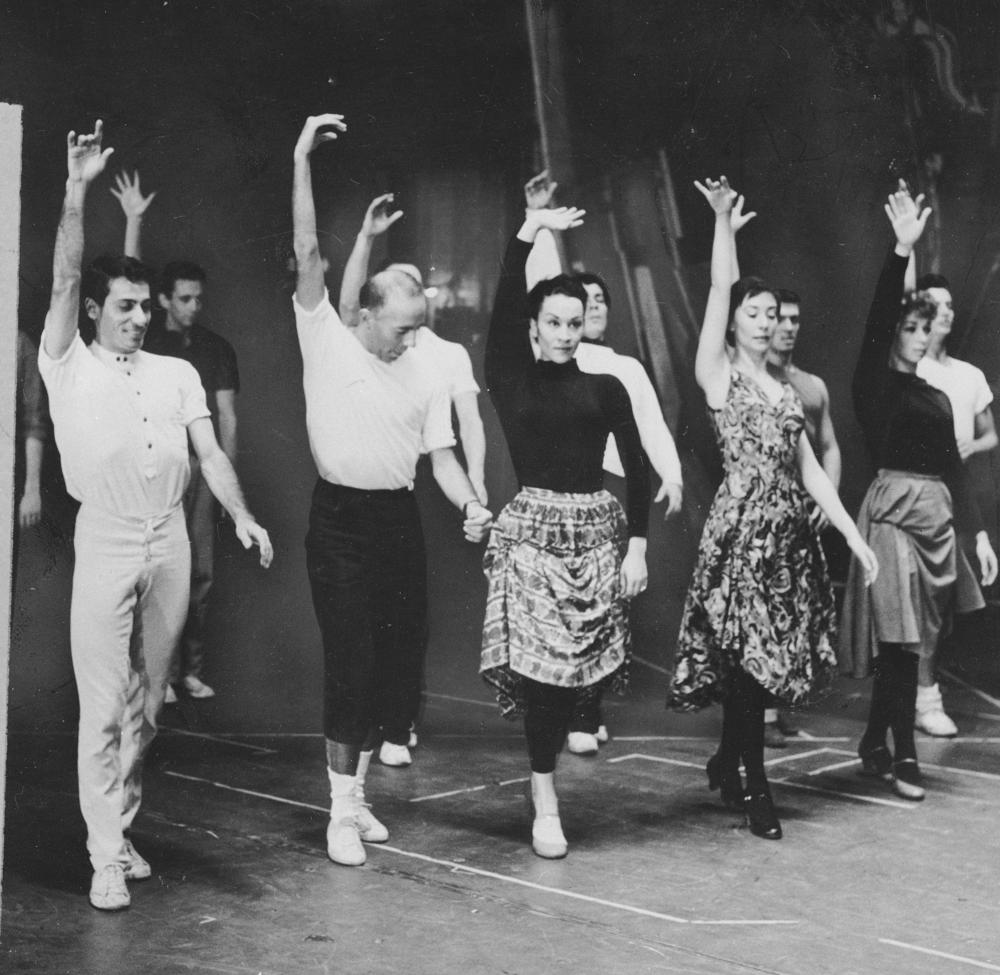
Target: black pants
[
  {"x": 743, "y": 732},
  {"x": 367, "y": 570},
  {"x": 546, "y": 721},
  {"x": 894, "y": 701}
]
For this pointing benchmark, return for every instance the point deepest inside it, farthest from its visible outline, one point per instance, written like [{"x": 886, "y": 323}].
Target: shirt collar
[{"x": 119, "y": 362}]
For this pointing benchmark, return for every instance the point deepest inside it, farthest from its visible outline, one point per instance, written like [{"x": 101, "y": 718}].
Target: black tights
[
  {"x": 743, "y": 733},
  {"x": 546, "y": 722},
  {"x": 894, "y": 701}
]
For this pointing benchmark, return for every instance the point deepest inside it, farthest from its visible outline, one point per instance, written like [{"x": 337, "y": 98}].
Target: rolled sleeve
[{"x": 437, "y": 433}]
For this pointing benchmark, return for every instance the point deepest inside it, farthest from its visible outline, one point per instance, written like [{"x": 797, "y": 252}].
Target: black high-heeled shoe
[
  {"x": 761, "y": 817},
  {"x": 732, "y": 793},
  {"x": 876, "y": 762}
]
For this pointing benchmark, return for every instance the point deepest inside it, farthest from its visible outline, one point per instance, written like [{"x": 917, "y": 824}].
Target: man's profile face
[
  {"x": 184, "y": 305},
  {"x": 595, "y": 321},
  {"x": 786, "y": 331},
  {"x": 945, "y": 317},
  {"x": 124, "y": 317}
]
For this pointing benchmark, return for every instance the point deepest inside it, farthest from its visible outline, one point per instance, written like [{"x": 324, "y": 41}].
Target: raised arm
[
  {"x": 378, "y": 220},
  {"x": 134, "y": 206},
  {"x": 711, "y": 365},
  {"x": 85, "y": 161},
  {"x": 309, "y": 284},
  {"x": 737, "y": 221},
  {"x": 508, "y": 346}
]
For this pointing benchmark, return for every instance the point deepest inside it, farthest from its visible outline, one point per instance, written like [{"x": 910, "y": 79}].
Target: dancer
[
  {"x": 759, "y": 614},
  {"x": 975, "y": 433},
  {"x": 371, "y": 410},
  {"x": 451, "y": 362},
  {"x": 587, "y": 730},
  {"x": 122, "y": 422},
  {"x": 181, "y": 334},
  {"x": 815, "y": 399},
  {"x": 906, "y": 515},
  {"x": 558, "y": 564}
]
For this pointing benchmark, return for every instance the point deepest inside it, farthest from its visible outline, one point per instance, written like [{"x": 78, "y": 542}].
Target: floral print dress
[{"x": 760, "y": 597}]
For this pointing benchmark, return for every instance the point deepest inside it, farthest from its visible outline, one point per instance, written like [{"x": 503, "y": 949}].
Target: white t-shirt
[
  {"x": 121, "y": 426},
  {"x": 449, "y": 360},
  {"x": 653, "y": 431},
  {"x": 964, "y": 385},
  {"x": 368, "y": 421}
]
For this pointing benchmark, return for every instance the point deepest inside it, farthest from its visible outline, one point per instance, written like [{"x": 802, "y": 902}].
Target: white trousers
[{"x": 130, "y": 599}]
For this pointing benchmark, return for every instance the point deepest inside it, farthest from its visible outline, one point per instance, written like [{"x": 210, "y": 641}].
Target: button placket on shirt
[{"x": 149, "y": 464}]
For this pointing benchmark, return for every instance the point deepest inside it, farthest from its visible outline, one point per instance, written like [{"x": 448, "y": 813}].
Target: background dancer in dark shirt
[
  {"x": 907, "y": 513},
  {"x": 562, "y": 559}
]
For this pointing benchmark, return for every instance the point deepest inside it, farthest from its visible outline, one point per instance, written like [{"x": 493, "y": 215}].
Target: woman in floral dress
[{"x": 759, "y": 616}]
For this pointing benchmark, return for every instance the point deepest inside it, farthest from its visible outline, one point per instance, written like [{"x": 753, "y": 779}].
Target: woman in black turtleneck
[
  {"x": 906, "y": 516},
  {"x": 563, "y": 558}
]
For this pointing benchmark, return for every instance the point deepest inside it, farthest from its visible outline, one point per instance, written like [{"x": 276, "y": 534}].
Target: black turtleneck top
[
  {"x": 907, "y": 423},
  {"x": 557, "y": 419}
]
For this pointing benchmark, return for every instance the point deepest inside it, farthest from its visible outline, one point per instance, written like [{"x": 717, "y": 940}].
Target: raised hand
[
  {"x": 85, "y": 160},
  {"x": 557, "y": 218},
  {"x": 378, "y": 219},
  {"x": 737, "y": 218},
  {"x": 310, "y": 137},
  {"x": 538, "y": 191},
  {"x": 907, "y": 216},
  {"x": 129, "y": 195},
  {"x": 721, "y": 197}
]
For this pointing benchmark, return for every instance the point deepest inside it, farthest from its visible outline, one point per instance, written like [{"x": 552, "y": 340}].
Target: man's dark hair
[
  {"x": 180, "y": 271},
  {"x": 376, "y": 290},
  {"x": 588, "y": 277},
  {"x": 562, "y": 284},
  {"x": 926, "y": 281},
  {"x": 787, "y": 297},
  {"x": 96, "y": 282}
]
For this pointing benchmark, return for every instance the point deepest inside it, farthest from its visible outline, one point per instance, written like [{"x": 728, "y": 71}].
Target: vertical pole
[{"x": 10, "y": 224}]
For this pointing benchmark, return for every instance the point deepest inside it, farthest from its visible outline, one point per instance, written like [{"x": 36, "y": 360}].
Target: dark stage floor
[{"x": 660, "y": 877}]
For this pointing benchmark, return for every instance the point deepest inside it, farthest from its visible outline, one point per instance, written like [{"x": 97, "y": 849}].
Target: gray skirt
[
  {"x": 923, "y": 575},
  {"x": 555, "y": 612}
]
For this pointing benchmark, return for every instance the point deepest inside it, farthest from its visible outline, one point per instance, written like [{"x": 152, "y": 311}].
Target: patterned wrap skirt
[
  {"x": 554, "y": 608},
  {"x": 923, "y": 575}
]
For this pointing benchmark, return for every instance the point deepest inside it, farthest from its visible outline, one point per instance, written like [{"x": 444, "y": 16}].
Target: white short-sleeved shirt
[
  {"x": 368, "y": 421},
  {"x": 121, "y": 426},
  {"x": 653, "y": 431},
  {"x": 964, "y": 385},
  {"x": 449, "y": 360}
]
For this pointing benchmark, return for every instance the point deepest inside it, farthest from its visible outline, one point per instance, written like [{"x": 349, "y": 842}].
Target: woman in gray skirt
[{"x": 907, "y": 514}]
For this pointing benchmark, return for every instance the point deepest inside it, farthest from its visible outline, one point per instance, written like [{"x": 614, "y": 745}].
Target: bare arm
[
  {"x": 85, "y": 161},
  {"x": 30, "y": 508},
  {"x": 309, "y": 284},
  {"x": 377, "y": 221},
  {"x": 985, "y": 435},
  {"x": 711, "y": 367},
  {"x": 134, "y": 206},
  {"x": 825, "y": 495},
  {"x": 225, "y": 401},
  {"x": 224, "y": 484},
  {"x": 826, "y": 441},
  {"x": 473, "y": 437},
  {"x": 459, "y": 491}
]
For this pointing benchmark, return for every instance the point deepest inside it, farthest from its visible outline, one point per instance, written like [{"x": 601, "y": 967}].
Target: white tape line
[
  {"x": 969, "y": 687},
  {"x": 222, "y": 740},
  {"x": 941, "y": 954}
]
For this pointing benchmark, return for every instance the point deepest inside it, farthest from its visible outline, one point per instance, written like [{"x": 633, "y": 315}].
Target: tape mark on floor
[
  {"x": 970, "y": 687},
  {"x": 490, "y": 874},
  {"x": 942, "y": 954}
]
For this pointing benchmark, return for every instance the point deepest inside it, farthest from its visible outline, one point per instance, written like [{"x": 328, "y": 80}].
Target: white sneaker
[
  {"x": 930, "y": 718},
  {"x": 107, "y": 888},
  {"x": 196, "y": 688},
  {"x": 602, "y": 735},
  {"x": 343, "y": 837},
  {"x": 369, "y": 828},
  {"x": 547, "y": 839},
  {"x": 138, "y": 867},
  {"x": 396, "y": 755},
  {"x": 170, "y": 697},
  {"x": 581, "y": 743}
]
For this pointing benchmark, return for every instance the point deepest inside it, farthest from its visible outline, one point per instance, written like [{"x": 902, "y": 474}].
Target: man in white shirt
[
  {"x": 450, "y": 363},
  {"x": 372, "y": 408},
  {"x": 975, "y": 432},
  {"x": 122, "y": 420}
]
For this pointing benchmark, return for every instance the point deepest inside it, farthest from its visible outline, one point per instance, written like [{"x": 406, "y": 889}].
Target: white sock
[
  {"x": 340, "y": 785},
  {"x": 770, "y": 716}
]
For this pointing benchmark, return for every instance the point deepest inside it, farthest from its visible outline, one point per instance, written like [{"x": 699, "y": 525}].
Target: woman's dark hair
[
  {"x": 748, "y": 287},
  {"x": 561, "y": 284},
  {"x": 917, "y": 303}
]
